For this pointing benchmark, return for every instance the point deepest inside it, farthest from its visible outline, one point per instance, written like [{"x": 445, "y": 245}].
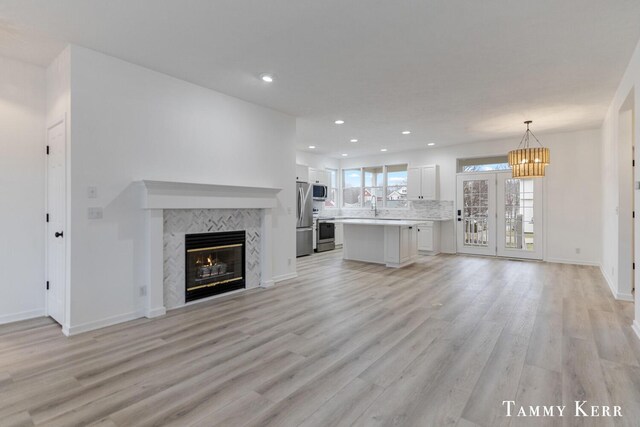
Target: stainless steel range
[{"x": 325, "y": 236}]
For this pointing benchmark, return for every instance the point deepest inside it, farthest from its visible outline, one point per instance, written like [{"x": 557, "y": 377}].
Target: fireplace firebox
[{"x": 214, "y": 263}]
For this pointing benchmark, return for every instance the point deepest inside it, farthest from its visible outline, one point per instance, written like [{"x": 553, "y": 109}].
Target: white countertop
[
  {"x": 372, "y": 221},
  {"x": 414, "y": 220}
]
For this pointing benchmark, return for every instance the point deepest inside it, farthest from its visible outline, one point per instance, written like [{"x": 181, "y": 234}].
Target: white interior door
[
  {"x": 476, "y": 219},
  {"x": 56, "y": 210},
  {"x": 519, "y": 217}
]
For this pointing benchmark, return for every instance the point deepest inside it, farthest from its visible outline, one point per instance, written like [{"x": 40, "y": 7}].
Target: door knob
[{"x": 59, "y": 234}]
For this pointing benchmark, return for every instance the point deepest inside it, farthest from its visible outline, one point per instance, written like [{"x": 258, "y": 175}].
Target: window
[
  {"x": 487, "y": 167},
  {"x": 396, "y": 193},
  {"x": 351, "y": 188},
  {"x": 483, "y": 164},
  {"x": 373, "y": 186},
  {"x": 332, "y": 189},
  {"x": 388, "y": 184}
]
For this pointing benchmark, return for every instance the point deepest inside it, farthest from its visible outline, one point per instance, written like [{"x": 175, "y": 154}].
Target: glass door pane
[
  {"x": 519, "y": 217},
  {"x": 476, "y": 214}
]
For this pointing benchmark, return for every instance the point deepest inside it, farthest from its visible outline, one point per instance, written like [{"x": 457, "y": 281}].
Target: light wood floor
[{"x": 442, "y": 342}]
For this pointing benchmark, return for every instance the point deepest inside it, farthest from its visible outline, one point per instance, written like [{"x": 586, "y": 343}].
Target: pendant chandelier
[{"x": 526, "y": 161}]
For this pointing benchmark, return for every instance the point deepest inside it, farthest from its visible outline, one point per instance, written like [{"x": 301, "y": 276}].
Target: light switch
[
  {"x": 92, "y": 192},
  {"x": 94, "y": 213}
]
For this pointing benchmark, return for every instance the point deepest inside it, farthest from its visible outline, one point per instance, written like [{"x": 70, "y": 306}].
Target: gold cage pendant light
[{"x": 526, "y": 161}]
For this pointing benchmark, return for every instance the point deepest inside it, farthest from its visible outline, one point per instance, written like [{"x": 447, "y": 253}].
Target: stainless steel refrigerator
[{"x": 304, "y": 215}]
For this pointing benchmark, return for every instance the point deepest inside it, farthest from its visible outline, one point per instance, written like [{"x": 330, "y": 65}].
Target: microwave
[{"x": 320, "y": 192}]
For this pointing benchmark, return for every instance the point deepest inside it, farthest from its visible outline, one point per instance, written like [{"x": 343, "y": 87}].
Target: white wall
[
  {"x": 130, "y": 123},
  {"x": 572, "y": 194},
  {"x": 22, "y": 160},
  {"x": 316, "y": 161},
  {"x": 626, "y": 92}
]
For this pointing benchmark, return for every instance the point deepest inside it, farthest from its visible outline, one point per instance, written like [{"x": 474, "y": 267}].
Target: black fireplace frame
[{"x": 196, "y": 241}]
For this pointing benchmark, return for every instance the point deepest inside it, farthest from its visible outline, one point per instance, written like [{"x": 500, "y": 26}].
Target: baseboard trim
[
  {"x": 97, "y": 324},
  {"x": 156, "y": 312},
  {"x": 284, "y": 277},
  {"x": 267, "y": 284},
  {"x": 23, "y": 315},
  {"x": 636, "y": 328},
  {"x": 624, "y": 297},
  {"x": 617, "y": 295},
  {"x": 608, "y": 280},
  {"x": 572, "y": 262}
]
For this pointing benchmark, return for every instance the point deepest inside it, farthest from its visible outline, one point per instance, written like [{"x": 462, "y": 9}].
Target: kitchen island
[{"x": 393, "y": 243}]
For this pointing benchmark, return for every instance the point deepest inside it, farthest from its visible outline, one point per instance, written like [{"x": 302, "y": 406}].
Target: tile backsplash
[{"x": 419, "y": 209}]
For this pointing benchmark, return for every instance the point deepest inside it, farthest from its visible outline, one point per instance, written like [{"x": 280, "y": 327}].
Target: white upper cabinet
[
  {"x": 318, "y": 176},
  {"x": 302, "y": 173},
  {"x": 414, "y": 183},
  {"x": 422, "y": 183}
]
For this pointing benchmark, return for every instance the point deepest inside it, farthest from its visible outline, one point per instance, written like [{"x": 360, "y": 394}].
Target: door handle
[{"x": 59, "y": 234}]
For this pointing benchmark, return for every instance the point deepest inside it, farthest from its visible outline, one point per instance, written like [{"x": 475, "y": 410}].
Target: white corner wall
[
  {"x": 628, "y": 89},
  {"x": 22, "y": 197},
  {"x": 572, "y": 189},
  {"x": 131, "y": 123},
  {"x": 316, "y": 161}
]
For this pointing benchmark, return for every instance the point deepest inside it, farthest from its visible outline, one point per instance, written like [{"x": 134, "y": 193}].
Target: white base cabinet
[
  {"x": 429, "y": 237},
  {"x": 339, "y": 234},
  {"x": 392, "y": 245},
  {"x": 315, "y": 233},
  {"x": 400, "y": 246}
]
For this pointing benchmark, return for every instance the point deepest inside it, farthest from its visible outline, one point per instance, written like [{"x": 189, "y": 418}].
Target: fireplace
[{"x": 215, "y": 263}]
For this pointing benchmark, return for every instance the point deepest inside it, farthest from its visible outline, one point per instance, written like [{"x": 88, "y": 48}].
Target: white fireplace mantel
[
  {"x": 186, "y": 195},
  {"x": 156, "y": 196}
]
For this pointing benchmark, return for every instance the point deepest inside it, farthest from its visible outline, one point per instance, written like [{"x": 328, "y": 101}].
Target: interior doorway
[{"x": 499, "y": 215}]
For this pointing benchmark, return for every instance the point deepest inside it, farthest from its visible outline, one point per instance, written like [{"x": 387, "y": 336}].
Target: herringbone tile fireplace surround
[{"x": 178, "y": 222}]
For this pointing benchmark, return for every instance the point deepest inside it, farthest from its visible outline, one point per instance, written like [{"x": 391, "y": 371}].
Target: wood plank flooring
[{"x": 442, "y": 342}]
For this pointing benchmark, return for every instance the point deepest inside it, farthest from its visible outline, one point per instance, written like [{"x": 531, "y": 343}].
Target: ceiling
[{"x": 450, "y": 71}]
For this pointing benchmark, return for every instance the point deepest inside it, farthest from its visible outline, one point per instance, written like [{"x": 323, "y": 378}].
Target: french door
[
  {"x": 476, "y": 213},
  {"x": 499, "y": 215}
]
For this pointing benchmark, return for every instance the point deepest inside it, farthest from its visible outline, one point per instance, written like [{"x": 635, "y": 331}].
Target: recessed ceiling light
[
  {"x": 312, "y": 146},
  {"x": 266, "y": 77},
  {"x": 406, "y": 132},
  {"x": 339, "y": 122},
  {"x": 344, "y": 154},
  {"x": 383, "y": 149},
  {"x": 354, "y": 140},
  {"x": 431, "y": 144}
]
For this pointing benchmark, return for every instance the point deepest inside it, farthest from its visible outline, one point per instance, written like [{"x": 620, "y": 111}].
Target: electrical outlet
[
  {"x": 92, "y": 192},
  {"x": 577, "y": 250},
  {"x": 94, "y": 213},
  {"x": 289, "y": 261},
  {"x": 143, "y": 291}
]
